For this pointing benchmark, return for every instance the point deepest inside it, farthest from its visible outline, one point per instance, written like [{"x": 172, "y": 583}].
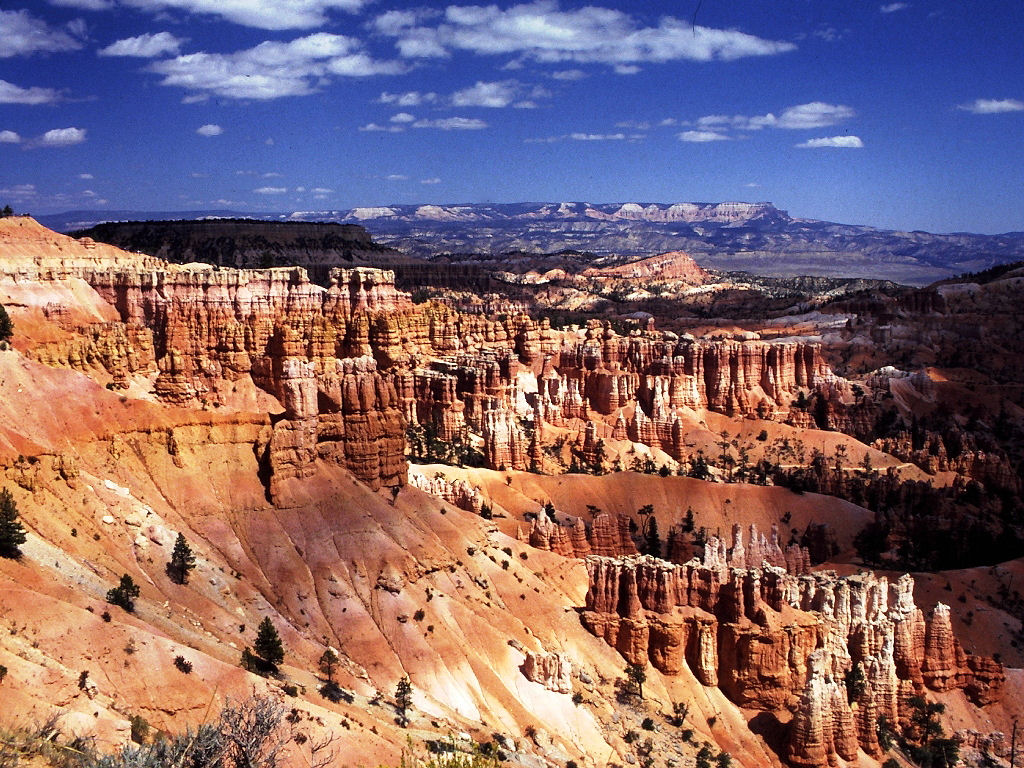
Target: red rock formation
[
  {"x": 505, "y": 444},
  {"x": 822, "y": 725},
  {"x": 769, "y": 638},
  {"x": 672, "y": 265},
  {"x": 456, "y": 492}
]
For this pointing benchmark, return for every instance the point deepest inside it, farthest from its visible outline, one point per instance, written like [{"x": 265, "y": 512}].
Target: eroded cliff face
[
  {"x": 199, "y": 328},
  {"x": 354, "y": 363},
  {"x": 772, "y": 639}
]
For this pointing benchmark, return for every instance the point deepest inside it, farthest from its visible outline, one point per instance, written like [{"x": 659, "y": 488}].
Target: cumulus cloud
[
  {"x": 62, "y": 137},
  {"x": 372, "y": 127},
  {"x": 13, "y": 94},
  {"x": 837, "y": 142},
  {"x": 627, "y": 69},
  {"x": 145, "y": 46},
  {"x": 543, "y": 32},
  {"x": 209, "y": 129},
  {"x": 272, "y": 70},
  {"x": 262, "y": 14},
  {"x": 701, "y": 137},
  {"x": 402, "y": 117},
  {"x": 407, "y": 99},
  {"x": 452, "y": 124},
  {"x": 21, "y": 34},
  {"x": 9, "y": 137},
  {"x": 993, "y": 106},
  {"x": 893, "y": 7},
  {"x": 270, "y": 190},
  {"x": 85, "y": 176},
  {"x": 568, "y": 74},
  {"x": 815, "y": 114},
  {"x": 497, "y": 94}
]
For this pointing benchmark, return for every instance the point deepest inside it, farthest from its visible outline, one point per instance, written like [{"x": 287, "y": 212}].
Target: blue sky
[{"x": 906, "y": 115}]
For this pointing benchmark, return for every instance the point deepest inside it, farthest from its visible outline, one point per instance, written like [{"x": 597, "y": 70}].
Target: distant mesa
[{"x": 753, "y": 237}]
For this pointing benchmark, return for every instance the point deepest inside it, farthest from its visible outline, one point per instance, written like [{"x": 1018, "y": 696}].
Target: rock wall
[{"x": 771, "y": 639}]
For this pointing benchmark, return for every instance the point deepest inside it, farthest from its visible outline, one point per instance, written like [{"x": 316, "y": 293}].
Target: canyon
[{"x": 458, "y": 497}]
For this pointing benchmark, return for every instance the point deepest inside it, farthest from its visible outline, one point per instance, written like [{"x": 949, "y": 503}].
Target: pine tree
[
  {"x": 182, "y": 561},
  {"x": 6, "y": 326},
  {"x": 328, "y": 663},
  {"x": 403, "y": 700},
  {"x": 268, "y": 644},
  {"x": 652, "y": 540},
  {"x": 637, "y": 676},
  {"x": 7, "y": 211},
  {"x": 124, "y": 594},
  {"x": 12, "y": 535},
  {"x": 688, "y": 521}
]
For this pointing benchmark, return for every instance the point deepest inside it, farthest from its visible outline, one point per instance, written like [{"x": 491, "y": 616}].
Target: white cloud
[
  {"x": 396, "y": 177},
  {"x": 85, "y": 5},
  {"x": 433, "y": 180},
  {"x": 209, "y": 130},
  {"x": 543, "y": 32},
  {"x": 9, "y": 137},
  {"x": 270, "y": 190},
  {"x": 638, "y": 125},
  {"x": 13, "y": 94},
  {"x": 22, "y": 35},
  {"x": 402, "y": 117},
  {"x": 371, "y": 127},
  {"x": 893, "y": 7},
  {"x": 993, "y": 106},
  {"x": 145, "y": 46},
  {"x": 19, "y": 192},
  {"x": 407, "y": 99},
  {"x": 701, "y": 137},
  {"x": 263, "y": 14},
  {"x": 627, "y": 69},
  {"x": 196, "y": 98},
  {"x": 837, "y": 142},
  {"x": 321, "y": 191},
  {"x": 62, "y": 137},
  {"x": 582, "y": 136},
  {"x": 815, "y": 114},
  {"x": 452, "y": 124},
  {"x": 86, "y": 176},
  {"x": 568, "y": 74},
  {"x": 272, "y": 70},
  {"x": 597, "y": 136},
  {"x": 496, "y": 94}
]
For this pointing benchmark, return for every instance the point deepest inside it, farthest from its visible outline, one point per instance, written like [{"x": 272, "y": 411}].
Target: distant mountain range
[{"x": 753, "y": 237}]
